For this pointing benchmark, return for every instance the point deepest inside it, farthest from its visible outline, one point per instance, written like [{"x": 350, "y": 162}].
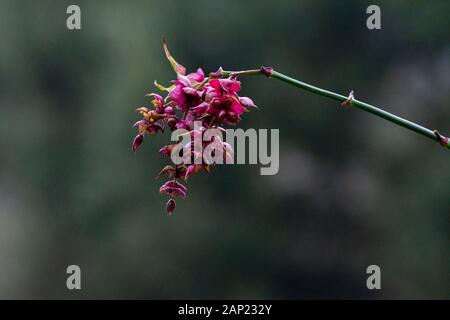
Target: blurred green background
[{"x": 352, "y": 190}]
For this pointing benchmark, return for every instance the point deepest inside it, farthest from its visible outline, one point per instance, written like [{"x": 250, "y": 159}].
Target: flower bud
[
  {"x": 169, "y": 110},
  {"x": 172, "y": 123},
  {"x": 190, "y": 170},
  {"x": 170, "y": 206},
  {"x": 247, "y": 102},
  {"x": 166, "y": 150},
  {"x": 137, "y": 141}
]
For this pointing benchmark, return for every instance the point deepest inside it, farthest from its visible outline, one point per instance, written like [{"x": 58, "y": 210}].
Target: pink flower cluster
[{"x": 212, "y": 100}]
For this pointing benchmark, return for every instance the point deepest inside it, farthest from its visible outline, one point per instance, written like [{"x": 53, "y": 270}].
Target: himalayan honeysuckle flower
[{"x": 213, "y": 101}]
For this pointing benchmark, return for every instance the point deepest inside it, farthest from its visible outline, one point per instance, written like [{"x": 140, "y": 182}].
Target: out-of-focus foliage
[{"x": 352, "y": 190}]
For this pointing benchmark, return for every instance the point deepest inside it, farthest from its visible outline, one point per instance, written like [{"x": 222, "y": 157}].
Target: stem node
[
  {"x": 444, "y": 141},
  {"x": 348, "y": 103},
  {"x": 267, "y": 71}
]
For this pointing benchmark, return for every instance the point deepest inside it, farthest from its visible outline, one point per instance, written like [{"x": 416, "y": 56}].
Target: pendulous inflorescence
[{"x": 212, "y": 100}]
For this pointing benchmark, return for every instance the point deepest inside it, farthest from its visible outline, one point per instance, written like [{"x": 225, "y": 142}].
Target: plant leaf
[{"x": 178, "y": 68}]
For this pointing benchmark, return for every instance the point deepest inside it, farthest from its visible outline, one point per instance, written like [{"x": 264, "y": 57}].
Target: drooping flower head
[{"x": 191, "y": 98}]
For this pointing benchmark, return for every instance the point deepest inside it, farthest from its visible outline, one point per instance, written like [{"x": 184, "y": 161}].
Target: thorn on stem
[
  {"x": 348, "y": 103},
  {"x": 441, "y": 139}
]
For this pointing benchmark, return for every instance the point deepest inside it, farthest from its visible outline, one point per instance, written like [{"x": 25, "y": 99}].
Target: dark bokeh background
[{"x": 352, "y": 190}]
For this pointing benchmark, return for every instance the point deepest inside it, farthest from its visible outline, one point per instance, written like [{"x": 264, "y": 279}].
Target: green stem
[{"x": 431, "y": 134}]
